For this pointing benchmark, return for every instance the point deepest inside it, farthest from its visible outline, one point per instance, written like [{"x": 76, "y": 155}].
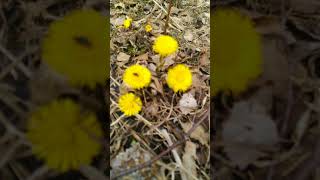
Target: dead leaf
[
  {"x": 247, "y": 131},
  {"x": 123, "y": 57},
  {"x": 152, "y": 108},
  {"x": 204, "y": 59},
  {"x": 188, "y": 160},
  {"x": 120, "y": 5},
  {"x": 168, "y": 61},
  {"x": 187, "y": 103},
  {"x": 142, "y": 57},
  {"x": 155, "y": 58},
  {"x": 156, "y": 85},
  {"x": 198, "y": 134},
  {"x": 117, "y": 21},
  {"x": 188, "y": 36}
]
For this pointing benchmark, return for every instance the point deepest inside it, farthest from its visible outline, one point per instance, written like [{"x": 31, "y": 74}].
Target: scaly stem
[{"x": 161, "y": 63}]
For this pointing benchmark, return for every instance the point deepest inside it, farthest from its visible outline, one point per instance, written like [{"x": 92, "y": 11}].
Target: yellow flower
[
  {"x": 63, "y": 136},
  {"x": 148, "y": 28},
  {"x": 179, "y": 78},
  {"x": 130, "y": 104},
  {"x": 127, "y": 23},
  {"x": 236, "y": 48},
  {"x": 76, "y": 47},
  {"x": 165, "y": 45},
  {"x": 137, "y": 76}
]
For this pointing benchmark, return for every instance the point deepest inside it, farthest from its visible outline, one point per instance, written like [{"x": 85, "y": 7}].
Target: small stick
[
  {"x": 150, "y": 162},
  {"x": 168, "y": 16}
]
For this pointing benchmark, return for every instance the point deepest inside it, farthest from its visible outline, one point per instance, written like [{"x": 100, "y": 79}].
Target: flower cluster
[{"x": 136, "y": 77}]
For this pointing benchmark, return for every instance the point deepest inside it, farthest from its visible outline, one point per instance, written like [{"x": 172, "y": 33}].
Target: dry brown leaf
[
  {"x": 204, "y": 59},
  {"x": 247, "y": 131},
  {"x": 198, "y": 134},
  {"x": 168, "y": 61},
  {"x": 188, "y": 36},
  {"x": 117, "y": 21},
  {"x": 123, "y": 57},
  {"x": 187, "y": 103},
  {"x": 188, "y": 160},
  {"x": 142, "y": 57},
  {"x": 156, "y": 85}
]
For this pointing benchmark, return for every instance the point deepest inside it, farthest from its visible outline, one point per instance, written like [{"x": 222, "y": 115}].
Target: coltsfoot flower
[
  {"x": 179, "y": 78},
  {"x": 148, "y": 28},
  {"x": 63, "y": 136},
  {"x": 137, "y": 76},
  {"x": 76, "y": 47},
  {"x": 127, "y": 23},
  {"x": 130, "y": 104},
  {"x": 165, "y": 45},
  {"x": 236, "y": 51}
]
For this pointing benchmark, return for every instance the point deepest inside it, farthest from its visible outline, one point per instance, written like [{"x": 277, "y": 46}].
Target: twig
[
  {"x": 168, "y": 16},
  {"x": 180, "y": 28},
  {"x": 150, "y": 162},
  {"x": 309, "y": 166},
  {"x": 6, "y": 156},
  {"x": 38, "y": 173},
  {"x": 15, "y": 61},
  {"x": 174, "y": 152}
]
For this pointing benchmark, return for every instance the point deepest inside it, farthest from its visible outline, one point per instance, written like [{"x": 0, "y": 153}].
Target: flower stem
[{"x": 161, "y": 63}]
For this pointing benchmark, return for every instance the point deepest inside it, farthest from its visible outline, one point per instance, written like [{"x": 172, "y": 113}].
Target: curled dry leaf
[
  {"x": 117, "y": 21},
  {"x": 188, "y": 160},
  {"x": 198, "y": 134},
  {"x": 248, "y": 131},
  {"x": 142, "y": 57},
  {"x": 123, "y": 57},
  {"x": 188, "y": 36},
  {"x": 187, "y": 103}
]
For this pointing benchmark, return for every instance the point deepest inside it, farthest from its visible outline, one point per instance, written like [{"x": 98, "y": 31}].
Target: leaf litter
[
  {"x": 271, "y": 131},
  {"x": 168, "y": 116}
]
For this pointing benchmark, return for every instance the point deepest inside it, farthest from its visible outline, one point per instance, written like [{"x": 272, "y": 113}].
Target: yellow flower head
[
  {"x": 76, "y": 47},
  {"x": 148, "y": 28},
  {"x": 137, "y": 76},
  {"x": 130, "y": 104},
  {"x": 236, "y": 51},
  {"x": 165, "y": 45},
  {"x": 63, "y": 136},
  {"x": 127, "y": 23},
  {"x": 179, "y": 78}
]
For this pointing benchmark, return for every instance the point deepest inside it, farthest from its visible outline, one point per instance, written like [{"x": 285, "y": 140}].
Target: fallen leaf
[
  {"x": 119, "y": 5},
  {"x": 204, "y": 59},
  {"x": 187, "y": 103},
  {"x": 198, "y": 134},
  {"x": 188, "y": 36},
  {"x": 168, "y": 61},
  {"x": 142, "y": 57},
  {"x": 246, "y": 132},
  {"x": 123, "y": 57},
  {"x": 117, "y": 21},
  {"x": 188, "y": 160}
]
